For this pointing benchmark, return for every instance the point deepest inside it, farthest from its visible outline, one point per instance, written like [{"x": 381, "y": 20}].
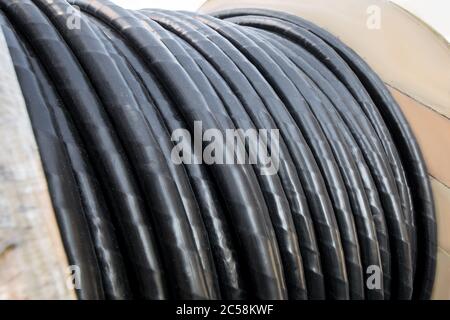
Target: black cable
[
  {"x": 60, "y": 178},
  {"x": 308, "y": 127},
  {"x": 106, "y": 97},
  {"x": 332, "y": 88},
  {"x": 115, "y": 280},
  {"x": 404, "y": 140},
  {"x": 395, "y": 218},
  {"x": 101, "y": 141},
  {"x": 222, "y": 244},
  {"x": 341, "y": 144},
  {"x": 276, "y": 200},
  {"x": 241, "y": 88},
  {"x": 411, "y": 158},
  {"x": 148, "y": 160}
]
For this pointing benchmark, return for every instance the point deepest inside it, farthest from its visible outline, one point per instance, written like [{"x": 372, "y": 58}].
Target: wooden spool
[{"x": 412, "y": 58}]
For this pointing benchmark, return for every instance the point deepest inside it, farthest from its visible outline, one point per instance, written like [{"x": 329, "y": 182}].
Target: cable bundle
[{"x": 351, "y": 195}]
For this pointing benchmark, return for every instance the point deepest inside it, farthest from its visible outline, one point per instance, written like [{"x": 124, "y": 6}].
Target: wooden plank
[
  {"x": 33, "y": 264},
  {"x": 441, "y": 290},
  {"x": 432, "y": 131}
]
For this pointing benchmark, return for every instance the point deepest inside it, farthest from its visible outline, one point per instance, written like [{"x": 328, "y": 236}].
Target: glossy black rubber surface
[{"x": 106, "y": 95}]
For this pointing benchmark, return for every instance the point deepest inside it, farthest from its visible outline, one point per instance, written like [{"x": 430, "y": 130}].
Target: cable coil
[{"x": 351, "y": 196}]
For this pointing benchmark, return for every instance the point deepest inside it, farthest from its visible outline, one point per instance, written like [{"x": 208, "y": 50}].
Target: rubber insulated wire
[
  {"x": 391, "y": 153},
  {"x": 148, "y": 110},
  {"x": 396, "y": 219},
  {"x": 341, "y": 144},
  {"x": 304, "y": 159},
  {"x": 179, "y": 223},
  {"x": 409, "y": 152},
  {"x": 221, "y": 240},
  {"x": 270, "y": 184},
  {"x": 313, "y": 134},
  {"x": 405, "y": 141},
  {"x": 245, "y": 199},
  {"x": 231, "y": 101},
  {"x": 338, "y": 98},
  {"x": 106, "y": 97},
  {"x": 240, "y": 88},
  {"x": 240, "y": 84}
]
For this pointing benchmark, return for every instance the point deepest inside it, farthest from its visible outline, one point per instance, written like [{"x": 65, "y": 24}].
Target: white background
[
  {"x": 436, "y": 13},
  {"x": 191, "y": 5}
]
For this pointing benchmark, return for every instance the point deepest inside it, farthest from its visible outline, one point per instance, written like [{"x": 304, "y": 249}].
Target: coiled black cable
[{"x": 105, "y": 97}]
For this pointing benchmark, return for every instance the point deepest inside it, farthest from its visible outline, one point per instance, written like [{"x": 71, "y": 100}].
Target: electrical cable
[{"x": 112, "y": 98}]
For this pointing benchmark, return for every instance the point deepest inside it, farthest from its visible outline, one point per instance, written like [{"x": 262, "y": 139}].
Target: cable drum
[{"x": 346, "y": 214}]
